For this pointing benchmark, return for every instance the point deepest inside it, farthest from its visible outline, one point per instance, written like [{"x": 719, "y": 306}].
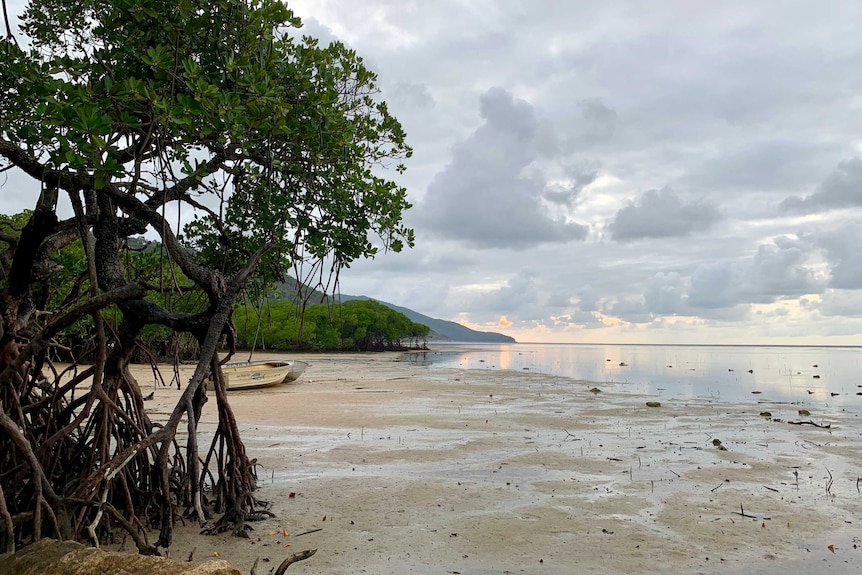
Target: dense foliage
[
  {"x": 247, "y": 151},
  {"x": 356, "y": 325}
]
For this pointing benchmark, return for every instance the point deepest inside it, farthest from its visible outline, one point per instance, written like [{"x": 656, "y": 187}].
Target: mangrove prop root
[{"x": 80, "y": 457}]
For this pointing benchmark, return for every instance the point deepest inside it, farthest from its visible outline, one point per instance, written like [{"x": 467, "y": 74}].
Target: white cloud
[{"x": 484, "y": 197}]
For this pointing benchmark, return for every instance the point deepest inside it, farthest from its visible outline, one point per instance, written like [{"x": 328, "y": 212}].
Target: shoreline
[{"x": 397, "y": 467}]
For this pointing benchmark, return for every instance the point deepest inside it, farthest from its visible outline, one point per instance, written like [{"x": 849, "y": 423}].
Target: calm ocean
[{"x": 809, "y": 375}]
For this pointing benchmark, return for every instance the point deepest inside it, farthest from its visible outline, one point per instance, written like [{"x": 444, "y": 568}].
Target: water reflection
[{"x": 732, "y": 373}]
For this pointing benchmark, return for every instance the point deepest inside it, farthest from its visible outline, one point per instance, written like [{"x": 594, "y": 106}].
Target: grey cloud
[
  {"x": 666, "y": 294},
  {"x": 727, "y": 315},
  {"x": 598, "y": 121},
  {"x": 411, "y": 94},
  {"x": 777, "y": 270},
  {"x": 588, "y": 299},
  {"x": 836, "y": 303},
  {"x": 506, "y": 114},
  {"x": 578, "y": 177},
  {"x": 518, "y": 299},
  {"x": 586, "y": 125},
  {"x": 780, "y": 270},
  {"x": 781, "y": 312},
  {"x": 841, "y": 189},
  {"x": 558, "y": 300},
  {"x": 714, "y": 286},
  {"x": 581, "y": 319},
  {"x": 482, "y": 196},
  {"x": 630, "y": 309},
  {"x": 842, "y": 252},
  {"x": 771, "y": 165},
  {"x": 712, "y": 292},
  {"x": 662, "y": 214},
  {"x": 587, "y": 319}
]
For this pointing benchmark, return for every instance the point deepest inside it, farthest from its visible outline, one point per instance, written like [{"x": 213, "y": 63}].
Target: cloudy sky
[
  {"x": 621, "y": 171},
  {"x": 612, "y": 171}
]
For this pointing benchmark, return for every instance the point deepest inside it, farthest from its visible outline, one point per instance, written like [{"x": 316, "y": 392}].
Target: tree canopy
[{"x": 246, "y": 150}]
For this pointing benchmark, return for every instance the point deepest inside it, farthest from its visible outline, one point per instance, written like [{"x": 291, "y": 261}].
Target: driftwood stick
[
  {"x": 827, "y": 426},
  {"x": 293, "y": 558}
]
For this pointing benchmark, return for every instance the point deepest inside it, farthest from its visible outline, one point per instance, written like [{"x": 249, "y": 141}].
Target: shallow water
[{"x": 805, "y": 375}]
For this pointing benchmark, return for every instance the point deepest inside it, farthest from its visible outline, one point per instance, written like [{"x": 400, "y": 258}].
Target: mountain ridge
[
  {"x": 441, "y": 329},
  {"x": 445, "y": 330}
]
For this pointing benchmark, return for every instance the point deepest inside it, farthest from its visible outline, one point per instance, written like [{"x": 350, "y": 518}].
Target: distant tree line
[{"x": 356, "y": 325}]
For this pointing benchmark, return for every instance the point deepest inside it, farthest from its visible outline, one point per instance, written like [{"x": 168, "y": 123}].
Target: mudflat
[{"x": 387, "y": 466}]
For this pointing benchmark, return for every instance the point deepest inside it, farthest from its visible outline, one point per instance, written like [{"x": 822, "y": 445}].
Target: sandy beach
[{"x": 386, "y": 466}]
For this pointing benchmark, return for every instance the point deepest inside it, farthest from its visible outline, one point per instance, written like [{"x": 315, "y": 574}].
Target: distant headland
[{"x": 443, "y": 330}]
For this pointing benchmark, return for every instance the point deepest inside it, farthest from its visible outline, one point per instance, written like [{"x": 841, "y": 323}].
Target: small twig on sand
[
  {"x": 743, "y": 513},
  {"x": 310, "y": 531},
  {"x": 300, "y": 556},
  {"x": 571, "y": 435},
  {"x": 829, "y": 483},
  {"x": 770, "y": 488},
  {"x": 192, "y": 554},
  {"x": 716, "y": 487}
]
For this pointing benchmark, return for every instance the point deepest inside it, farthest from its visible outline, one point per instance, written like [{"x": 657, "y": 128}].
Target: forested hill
[
  {"x": 444, "y": 330},
  {"x": 441, "y": 330}
]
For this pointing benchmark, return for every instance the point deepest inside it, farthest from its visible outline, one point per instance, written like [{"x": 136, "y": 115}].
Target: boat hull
[
  {"x": 254, "y": 375},
  {"x": 297, "y": 368}
]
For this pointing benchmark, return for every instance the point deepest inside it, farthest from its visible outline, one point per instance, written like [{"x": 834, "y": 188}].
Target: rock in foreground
[{"x": 70, "y": 558}]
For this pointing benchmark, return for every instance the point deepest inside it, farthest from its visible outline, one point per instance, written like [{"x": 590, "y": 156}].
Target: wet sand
[{"x": 387, "y": 466}]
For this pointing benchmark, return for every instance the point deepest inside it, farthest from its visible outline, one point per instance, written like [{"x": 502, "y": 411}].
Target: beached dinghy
[
  {"x": 297, "y": 367},
  {"x": 253, "y": 376},
  {"x": 256, "y": 375}
]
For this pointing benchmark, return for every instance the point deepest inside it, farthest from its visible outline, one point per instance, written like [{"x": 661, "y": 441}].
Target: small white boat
[
  {"x": 297, "y": 367},
  {"x": 259, "y": 374}
]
